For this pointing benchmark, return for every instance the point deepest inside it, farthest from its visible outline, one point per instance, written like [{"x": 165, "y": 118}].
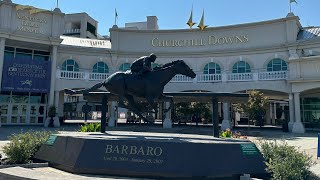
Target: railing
[
  {"x": 273, "y": 75},
  {"x": 181, "y": 78},
  {"x": 240, "y": 77},
  {"x": 200, "y": 78},
  {"x": 98, "y": 76},
  {"x": 81, "y": 75},
  {"x": 71, "y": 75},
  {"x": 208, "y": 77},
  {"x": 71, "y": 31}
]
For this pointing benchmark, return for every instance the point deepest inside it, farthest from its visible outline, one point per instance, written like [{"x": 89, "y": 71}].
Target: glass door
[
  {"x": 4, "y": 107},
  {"x": 19, "y": 108}
]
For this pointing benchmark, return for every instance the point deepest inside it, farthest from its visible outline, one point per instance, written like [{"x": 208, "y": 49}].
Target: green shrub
[
  {"x": 23, "y": 146},
  {"x": 226, "y": 134},
  {"x": 284, "y": 161},
  {"x": 90, "y": 127}
]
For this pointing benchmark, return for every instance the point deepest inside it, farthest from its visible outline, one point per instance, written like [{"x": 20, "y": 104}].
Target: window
[
  {"x": 91, "y": 29},
  {"x": 241, "y": 67},
  {"x": 70, "y": 65},
  {"x": 100, "y": 67},
  {"x": 125, "y": 67},
  {"x": 26, "y": 54},
  {"x": 277, "y": 65},
  {"x": 212, "y": 68},
  {"x": 41, "y": 56},
  {"x": 8, "y": 53}
]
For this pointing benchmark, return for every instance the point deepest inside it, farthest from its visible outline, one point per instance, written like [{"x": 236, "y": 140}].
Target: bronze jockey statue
[{"x": 143, "y": 64}]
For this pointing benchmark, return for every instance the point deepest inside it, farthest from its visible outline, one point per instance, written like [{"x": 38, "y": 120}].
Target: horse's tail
[{"x": 84, "y": 91}]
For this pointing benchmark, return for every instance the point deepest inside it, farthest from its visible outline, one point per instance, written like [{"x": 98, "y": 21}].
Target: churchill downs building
[{"x": 42, "y": 52}]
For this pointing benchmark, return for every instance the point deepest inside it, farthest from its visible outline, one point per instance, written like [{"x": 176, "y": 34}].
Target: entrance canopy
[{"x": 204, "y": 97}]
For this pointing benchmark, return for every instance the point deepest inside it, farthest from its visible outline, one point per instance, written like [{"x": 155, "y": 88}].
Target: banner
[{"x": 21, "y": 75}]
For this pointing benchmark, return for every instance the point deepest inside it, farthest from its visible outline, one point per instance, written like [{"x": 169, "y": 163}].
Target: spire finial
[
  {"x": 190, "y": 23},
  {"x": 201, "y": 24}
]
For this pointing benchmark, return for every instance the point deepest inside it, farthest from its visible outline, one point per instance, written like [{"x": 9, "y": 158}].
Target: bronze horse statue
[{"x": 149, "y": 85}]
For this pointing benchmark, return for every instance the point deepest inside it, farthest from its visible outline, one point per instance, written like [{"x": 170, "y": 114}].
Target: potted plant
[{"x": 51, "y": 113}]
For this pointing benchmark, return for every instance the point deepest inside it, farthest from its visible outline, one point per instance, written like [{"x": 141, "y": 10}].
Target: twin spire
[{"x": 201, "y": 25}]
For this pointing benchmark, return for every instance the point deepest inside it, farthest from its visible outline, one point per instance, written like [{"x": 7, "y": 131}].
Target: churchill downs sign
[{"x": 211, "y": 41}]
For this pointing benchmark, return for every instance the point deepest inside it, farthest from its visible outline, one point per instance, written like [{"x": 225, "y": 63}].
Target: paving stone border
[{"x": 31, "y": 165}]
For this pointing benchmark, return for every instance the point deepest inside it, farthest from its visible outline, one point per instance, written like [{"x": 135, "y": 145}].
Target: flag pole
[
  {"x": 115, "y": 16},
  {"x": 290, "y": 6}
]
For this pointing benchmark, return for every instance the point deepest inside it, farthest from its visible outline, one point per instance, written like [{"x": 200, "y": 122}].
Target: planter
[
  {"x": 56, "y": 122},
  {"x": 285, "y": 126}
]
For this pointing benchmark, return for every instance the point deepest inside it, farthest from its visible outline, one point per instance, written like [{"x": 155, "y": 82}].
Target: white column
[
  {"x": 219, "y": 109},
  {"x": 113, "y": 114},
  {"x": 167, "y": 123},
  {"x": 56, "y": 99},
  {"x": 226, "y": 123},
  {"x": 274, "y": 117},
  {"x": 53, "y": 74},
  {"x": 297, "y": 126},
  {"x": 271, "y": 115},
  {"x": 2, "y": 45},
  {"x": 282, "y": 114},
  {"x": 291, "y": 112}
]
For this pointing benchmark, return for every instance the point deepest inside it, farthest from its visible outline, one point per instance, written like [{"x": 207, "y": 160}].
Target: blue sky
[{"x": 173, "y": 14}]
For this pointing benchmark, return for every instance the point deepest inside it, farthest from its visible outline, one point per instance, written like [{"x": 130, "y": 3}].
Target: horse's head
[{"x": 182, "y": 68}]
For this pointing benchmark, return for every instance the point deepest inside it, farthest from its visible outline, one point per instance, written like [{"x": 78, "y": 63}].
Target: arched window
[
  {"x": 241, "y": 67},
  {"x": 100, "y": 67},
  {"x": 70, "y": 65},
  {"x": 277, "y": 65},
  {"x": 212, "y": 68},
  {"x": 125, "y": 67}
]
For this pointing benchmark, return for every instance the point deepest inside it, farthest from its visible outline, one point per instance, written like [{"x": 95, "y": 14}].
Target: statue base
[{"x": 152, "y": 155}]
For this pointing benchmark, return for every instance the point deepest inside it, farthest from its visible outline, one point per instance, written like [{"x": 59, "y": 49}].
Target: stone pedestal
[
  {"x": 298, "y": 128},
  {"x": 153, "y": 155}
]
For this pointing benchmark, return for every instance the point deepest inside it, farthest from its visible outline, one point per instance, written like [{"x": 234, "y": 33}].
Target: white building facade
[{"x": 278, "y": 57}]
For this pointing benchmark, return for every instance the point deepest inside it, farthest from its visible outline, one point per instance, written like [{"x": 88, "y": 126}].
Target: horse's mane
[{"x": 167, "y": 65}]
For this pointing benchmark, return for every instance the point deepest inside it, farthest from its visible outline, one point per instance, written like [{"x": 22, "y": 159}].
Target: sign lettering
[
  {"x": 31, "y": 24},
  {"x": 133, "y": 154},
  {"x": 210, "y": 41},
  {"x": 249, "y": 149}
]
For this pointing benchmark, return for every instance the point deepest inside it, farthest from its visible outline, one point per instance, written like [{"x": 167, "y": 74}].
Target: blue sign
[
  {"x": 319, "y": 145},
  {"x": 20, "y": 75}
]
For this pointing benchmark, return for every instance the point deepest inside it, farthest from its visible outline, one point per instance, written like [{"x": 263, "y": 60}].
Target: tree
[
  {"x": 255, "y": 107},
  {"x": 201, "y": 110}
]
